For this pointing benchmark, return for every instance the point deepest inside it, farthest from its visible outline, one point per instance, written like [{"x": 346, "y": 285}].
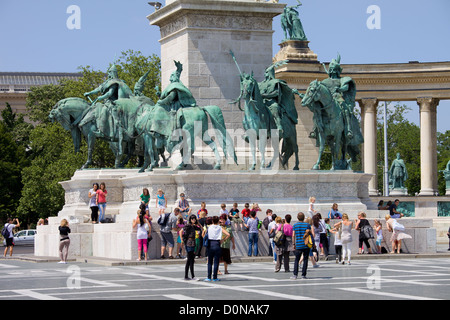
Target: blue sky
[{"x": 35, "y": 37}]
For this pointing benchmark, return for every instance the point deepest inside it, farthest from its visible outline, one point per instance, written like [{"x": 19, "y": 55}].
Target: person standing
[
  {"x": 9, "y": 238},
  {"x": 64, "y": 240},
  {"x": 284, "y": 251},
  {"x": 101, "y": 200},
  {"x": 398, "y": 233},
  {"x": 226, "y": 244},
  {"x": 168, "y": 223},
  {"x": 300, "y": 230},
  {"x": 161, "y": 202},
  {"x": 145, "y": 199},
  {"x": 253, "y": 232},
  {"x": 215, "y": 239},
  {"x": 346, "y": 237},
  {"x": 311, "y": 210},
  {"x": 365, "y": 232},
  {"x": 143, "y": 231},
  {"x": 93, "y": 202},
  {"x": 188, "y": 238}
]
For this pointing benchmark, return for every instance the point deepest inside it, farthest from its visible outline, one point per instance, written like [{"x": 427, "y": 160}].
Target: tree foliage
[{"x": 51, "y": 147}]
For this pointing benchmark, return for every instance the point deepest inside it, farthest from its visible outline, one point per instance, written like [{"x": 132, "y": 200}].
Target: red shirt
[
  {"x": 245, "y": 212},
  {"x": 101, "y": 195}
]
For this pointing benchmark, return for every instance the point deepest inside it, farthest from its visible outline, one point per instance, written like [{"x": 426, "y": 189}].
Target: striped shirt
[{"x": 300, "y": 229}]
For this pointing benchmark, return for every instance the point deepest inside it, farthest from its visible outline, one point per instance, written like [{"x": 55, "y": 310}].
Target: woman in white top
[
  {"x": 346, "y": 237},
  {"x": 143, "y": 230},
  {"x": 215, "y": 232}
]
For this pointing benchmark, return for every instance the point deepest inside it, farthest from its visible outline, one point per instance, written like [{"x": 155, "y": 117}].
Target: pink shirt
[
  {"x": 101, "y": 195},
  {"x": 287, "y": 229}
]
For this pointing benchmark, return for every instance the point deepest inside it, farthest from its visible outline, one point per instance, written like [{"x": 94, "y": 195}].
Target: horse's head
[
  {"x": 248, "y": 86},
  {"x": 311, "y": 95},
  {"x": 68, "y": 110}
]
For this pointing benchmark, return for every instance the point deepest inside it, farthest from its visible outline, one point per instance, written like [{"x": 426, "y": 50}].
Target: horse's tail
[{"x": 218, "y": 122}]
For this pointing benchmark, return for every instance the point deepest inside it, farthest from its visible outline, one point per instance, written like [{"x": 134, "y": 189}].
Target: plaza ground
[{"x": 401, "y": 277}]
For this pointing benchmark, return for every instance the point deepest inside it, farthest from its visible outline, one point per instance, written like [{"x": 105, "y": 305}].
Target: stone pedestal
[
  {"x": 398, "y": 192},
  {"x": 295, "y": 50}
]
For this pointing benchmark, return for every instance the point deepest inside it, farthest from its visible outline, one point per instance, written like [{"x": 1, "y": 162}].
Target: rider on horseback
[
  {"x": 343, "y": 91},
  {"x": 112, "y": 90},
  {"x": 278, "y": 97}
]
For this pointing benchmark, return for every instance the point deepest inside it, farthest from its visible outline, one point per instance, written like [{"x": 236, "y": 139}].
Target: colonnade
[{"x": 428, "y": 143}]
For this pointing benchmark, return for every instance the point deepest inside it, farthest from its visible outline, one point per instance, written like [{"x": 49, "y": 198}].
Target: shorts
[
  {"x": 167, "y": 238},
  {"x": 378, "y": 242},
  {"x": 9, "y": 242}
]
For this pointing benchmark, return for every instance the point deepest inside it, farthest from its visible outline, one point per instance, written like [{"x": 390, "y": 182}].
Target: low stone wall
[{"x": 118, "y": 240}]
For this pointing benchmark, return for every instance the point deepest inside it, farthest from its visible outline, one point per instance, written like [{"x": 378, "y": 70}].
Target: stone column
[
  {"x": 369, "y": 117},
  {"x": 428, "y": 146}
]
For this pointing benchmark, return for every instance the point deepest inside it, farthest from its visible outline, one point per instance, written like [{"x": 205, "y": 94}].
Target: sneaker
[
  {"x": 207, "y": 280},
  {"x": 316, "y": 266},
  {"x": 215, "y": 280},
  {"x": 195, "y": 279},
  {"x": 337, "y": 260},
  {"x": 293, "y": 278},
  {"x": 187, "y": 279},
  {"x": 304, "y": 277}
]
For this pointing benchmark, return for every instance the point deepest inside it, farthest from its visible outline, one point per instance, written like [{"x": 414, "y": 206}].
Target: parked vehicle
[{"x": 23, "y": 238}]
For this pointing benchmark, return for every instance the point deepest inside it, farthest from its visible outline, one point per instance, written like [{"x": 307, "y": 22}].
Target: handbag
[{"x": 205, "y": 240}]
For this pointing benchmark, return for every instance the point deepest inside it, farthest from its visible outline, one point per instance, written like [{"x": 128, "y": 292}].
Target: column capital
[
  {"x": 427, "y": 104},
  {"x": 368, "y": 104}
]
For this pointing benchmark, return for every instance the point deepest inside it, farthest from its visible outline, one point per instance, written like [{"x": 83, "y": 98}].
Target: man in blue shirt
[{"x": 299, "y": 230}]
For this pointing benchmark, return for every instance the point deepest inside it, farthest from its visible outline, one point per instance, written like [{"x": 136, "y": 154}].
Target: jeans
[
  {"x": 101, "y": 211},
  {"x": 272, "y": 249},
  {"x": 298, "y": 253},
  {"x": 214, "y": 253},
  {"x": 252, "y": 242}
]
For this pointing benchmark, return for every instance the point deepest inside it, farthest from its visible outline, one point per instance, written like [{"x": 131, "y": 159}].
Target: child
[
  {"x": 337, "y": 242},
  {"x": 311, "y": 210},
  {"x": 180, "y": 248},
  {"x": 234, "y": 216},
  {"x": 246, "y": 213},
  {"x": 145, "y": 198},
  {"x": 223, "y": 209},
  {"x": 202, "y": 209},
  {"x": 161, "y": 202},
  {"x": 379, "y": 231}
]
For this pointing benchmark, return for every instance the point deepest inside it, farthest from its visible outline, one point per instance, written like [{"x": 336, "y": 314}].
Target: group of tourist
[{"x": 304, "y": 239}]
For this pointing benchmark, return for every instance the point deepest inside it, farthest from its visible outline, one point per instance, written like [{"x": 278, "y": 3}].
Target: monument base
[{"x": 285, "y": 192}]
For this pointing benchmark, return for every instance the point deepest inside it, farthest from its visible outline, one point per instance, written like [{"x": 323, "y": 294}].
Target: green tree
[
  {"x": 12, "y": 160},
  {"x": 52, "y": 151}
]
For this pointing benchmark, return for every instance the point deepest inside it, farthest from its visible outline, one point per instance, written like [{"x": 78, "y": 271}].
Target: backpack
[
  {"x": 163, "y": 222},
  {"x": 280, "y": 237},
  {"x": 5, "y": 231},
  {"x": 308, "y": 241}
]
